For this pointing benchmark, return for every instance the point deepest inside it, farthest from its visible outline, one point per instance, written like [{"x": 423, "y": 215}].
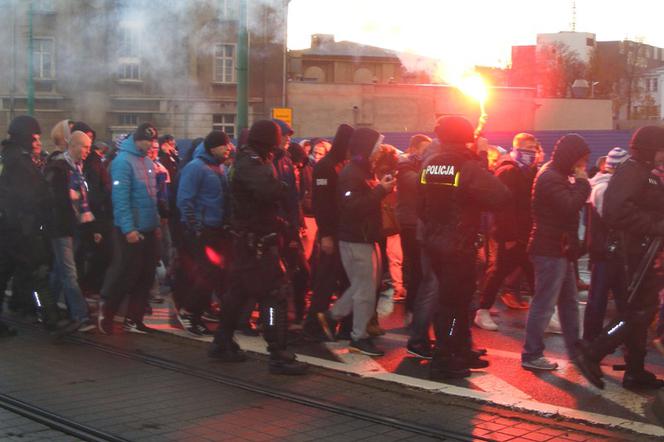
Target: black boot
[
  {"x": 474, "y": 361},
  {"x": 642, "y": 379},
  {"x": 285, "y": 363},
  {"x": 225, "y": 349},
  {"x": 448, "y": 367},
  {"x": 588, "y": 364}
]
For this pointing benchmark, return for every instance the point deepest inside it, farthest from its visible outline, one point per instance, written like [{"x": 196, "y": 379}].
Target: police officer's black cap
[
  {"x": 454, "y": 130},
  {"x": 649, "y": 138}
]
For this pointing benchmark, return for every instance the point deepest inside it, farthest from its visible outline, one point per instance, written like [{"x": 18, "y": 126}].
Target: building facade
[{"x": 118, "y": 63}]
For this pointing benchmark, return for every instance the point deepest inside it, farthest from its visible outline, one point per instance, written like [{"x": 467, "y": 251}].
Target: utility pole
[
  {"x": 242, "y": 69},
  {"x": 31, "y": 67}
]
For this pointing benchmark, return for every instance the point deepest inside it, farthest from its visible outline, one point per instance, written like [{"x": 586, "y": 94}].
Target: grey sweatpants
[{"x": 363, "y": 267}]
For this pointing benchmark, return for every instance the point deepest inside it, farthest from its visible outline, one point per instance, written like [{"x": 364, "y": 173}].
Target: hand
[
  {"x": 388, "y": 183},
  {"x": 133, "y": 237},
  {"x": 327, "y": 245},
  {"x": 96, "y": 237},
  {"x": 580, "y": 173}
]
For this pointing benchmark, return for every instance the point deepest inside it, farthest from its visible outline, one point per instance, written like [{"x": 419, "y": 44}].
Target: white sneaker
[
  {"x": 483, "y": 320},
  {"x": 554, "y": 324},
  {"x": 540, "y": 364}
]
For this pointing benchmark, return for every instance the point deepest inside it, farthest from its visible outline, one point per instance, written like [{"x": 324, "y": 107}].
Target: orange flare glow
[{"x": 475, "y": 87}]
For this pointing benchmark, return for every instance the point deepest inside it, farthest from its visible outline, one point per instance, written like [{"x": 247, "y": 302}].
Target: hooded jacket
[
  {"x": 324, "y": 199},
  {"x": 360, "y": 217},
  {"x": 514, "y": 221},
  {"x": 557, "y": 201},
  {"x": 201, "y": 193},
  {"x": 134, "y": 193}
]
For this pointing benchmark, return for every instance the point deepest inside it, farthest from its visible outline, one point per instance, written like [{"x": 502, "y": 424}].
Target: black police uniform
[
  {"x": 454, "y": 190},
  {"x": 257, "y": 270},
  {"x": 634, "y": 214}
]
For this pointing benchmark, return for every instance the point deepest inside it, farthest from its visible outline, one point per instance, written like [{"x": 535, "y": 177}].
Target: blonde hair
[{"x": 60, "y": 134}]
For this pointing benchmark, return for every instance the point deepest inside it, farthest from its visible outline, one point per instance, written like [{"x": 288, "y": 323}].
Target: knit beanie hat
[
  {"x": 22, "y": 128},
  {"x": 616, "y": 157},
  {"x": 85, "y": 128},
  {"x": 454, "y": 130},
  {"x": 215, "y": 138},
  {"x": 145, "y": 132}
]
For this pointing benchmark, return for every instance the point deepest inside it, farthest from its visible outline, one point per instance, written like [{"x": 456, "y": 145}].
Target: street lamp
[{"x": 592, "y": 88}]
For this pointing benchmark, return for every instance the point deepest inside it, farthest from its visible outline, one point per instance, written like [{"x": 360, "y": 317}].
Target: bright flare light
[{"x": 474, "y": 87}]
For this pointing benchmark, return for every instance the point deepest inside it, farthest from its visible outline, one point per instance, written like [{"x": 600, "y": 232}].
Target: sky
[{"x": 470, "y": 32}]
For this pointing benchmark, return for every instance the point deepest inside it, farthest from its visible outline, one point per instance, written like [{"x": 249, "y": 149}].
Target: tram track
[
  {"x": 167, "y": 364},
  {"x": 55, "y": 421}
]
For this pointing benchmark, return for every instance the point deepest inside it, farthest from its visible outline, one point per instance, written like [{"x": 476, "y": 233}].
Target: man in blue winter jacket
[
  {"x": 135, "y": 237},
  {"x": 201, "y": 201}
]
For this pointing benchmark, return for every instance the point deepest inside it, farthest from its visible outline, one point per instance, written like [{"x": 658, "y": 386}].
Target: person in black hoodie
[
  {"x": 24, "y": 204},
  {"x": 453, "y": 191},
  {"x": 257, "y": 267},
  {"x": 634, "y": 213},
  {"x": 359, "y": 230},
  {"x": 560, "y": 191},
  {"x": 512, "y": 225},
  {"x": 96, "y": 244},
  {"x": 329, "y": 276}
]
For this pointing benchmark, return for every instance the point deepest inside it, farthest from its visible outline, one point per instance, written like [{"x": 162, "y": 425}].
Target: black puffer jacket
[
  {"x": 558, "y": 200},
  {"x": 360, "y": 217},
  {"x": 324, "y": 200},
  {"x": 514, "y": 221}
]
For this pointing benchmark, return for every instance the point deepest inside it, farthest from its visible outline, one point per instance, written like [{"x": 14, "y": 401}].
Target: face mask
[{"x": 524, "y": 157}]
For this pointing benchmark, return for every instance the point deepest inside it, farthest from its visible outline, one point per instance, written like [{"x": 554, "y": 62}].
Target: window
[
  {"x": 128, "y": 120},
  {"x": 654, "y": 85},
  {"x": 129, "y": 70},
  {"x": 43, "y": 6},
  {"x": 42, "y": 58},
  {"x": 224, "y": 63},
  {"x": 227, "y": 9},
  {"x": 224, "y": 123},
  {"x": 590, "y": 42},
  {"x": 129, "y": 51},
  {"x": 647, "y": 84}
]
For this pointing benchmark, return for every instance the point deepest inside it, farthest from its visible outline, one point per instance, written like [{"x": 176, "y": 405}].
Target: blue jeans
[
  {"x": 555, "y": 284},
  {"x": 426, "y": 303},
  {"x": 65, "y": 278}
]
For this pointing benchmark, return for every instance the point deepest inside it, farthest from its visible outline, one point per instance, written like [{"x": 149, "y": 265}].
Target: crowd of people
[{"x": 304, "y": 234}]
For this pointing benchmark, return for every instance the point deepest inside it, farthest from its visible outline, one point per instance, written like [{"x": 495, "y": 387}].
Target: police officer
[
  {"x": 257, "y": 270},
  {"x": 454, "y": 190},
  {"x": 634, "y": 214}
]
